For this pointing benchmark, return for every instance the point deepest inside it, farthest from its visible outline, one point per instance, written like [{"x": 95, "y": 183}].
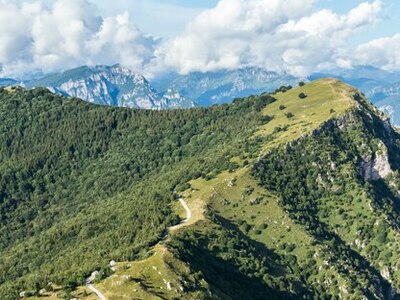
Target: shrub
[
  {"x": 302, "y": 96},
  {"x": 248, "y": 191},
  {"x": 265, "y": 119},
  {"x": 280, "y": 129},
  {"x": 289, "y": 115},
  {"x": 282, "y": 107},
  {"x": 246, "y": 227},
  {"x": 283, "y": 89},
  {"x": 301, "y": 83}
]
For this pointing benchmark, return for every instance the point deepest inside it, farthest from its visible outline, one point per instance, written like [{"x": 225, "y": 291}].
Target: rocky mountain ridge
[
  {"x": 222, "y": 86},
  {"x": 113, "y": 86}
]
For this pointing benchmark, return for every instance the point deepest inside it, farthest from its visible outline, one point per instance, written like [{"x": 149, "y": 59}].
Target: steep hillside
[
  {"x": 322, "y": 202},
  {"x": 113, "y": 86},
  {"x": 293, "y": 196},
  {"x": 83, "y": 184}
]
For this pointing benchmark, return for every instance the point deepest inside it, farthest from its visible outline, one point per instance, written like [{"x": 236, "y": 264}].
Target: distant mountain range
[
  {"x": 111, "y": 85},
  {"x": 223, "y": 86},
  {"x": 7, "y": 81},
  {"x": 119, "y": 86}
]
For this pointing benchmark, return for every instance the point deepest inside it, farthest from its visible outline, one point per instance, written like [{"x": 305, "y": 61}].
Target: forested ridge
[
  {"x": 82, "y": 184},
  {"x": 300, "y": 191},
  {"x": 314, "y": 218}
]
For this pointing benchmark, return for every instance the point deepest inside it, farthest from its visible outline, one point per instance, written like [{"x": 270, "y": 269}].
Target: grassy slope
[
  {"x": 309, "y": 113},
  {"x": 226, "y": 195},
  {"x": 228, "y": 200},
  {"x": 324, "y": 96}
]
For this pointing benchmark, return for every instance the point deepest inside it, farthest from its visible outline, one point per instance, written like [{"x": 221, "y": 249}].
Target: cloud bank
[
  {"x": 285, "y": 35},
  {"x": 68, "y": 33},
  {"x": 383, "y": 52},
  {"x": 280, "y": 35}
]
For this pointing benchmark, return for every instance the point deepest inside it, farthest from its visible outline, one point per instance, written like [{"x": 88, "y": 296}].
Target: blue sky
[
  {"x": 167, "y": 18},
  {"x": 163, "y": 18},
  {"x": 389, "y": 25}
]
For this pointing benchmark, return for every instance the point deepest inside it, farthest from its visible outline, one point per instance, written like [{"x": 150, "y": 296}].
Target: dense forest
[{"x": 82, "y": 184}]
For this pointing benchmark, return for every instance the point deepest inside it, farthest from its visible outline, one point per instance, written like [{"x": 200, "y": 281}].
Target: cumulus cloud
[
  {"x": 280, "y": 35},
  {"x": 383, "y": 52},
  {"x": 35, "y": 36},
  {"x": 277, "y": 34}
]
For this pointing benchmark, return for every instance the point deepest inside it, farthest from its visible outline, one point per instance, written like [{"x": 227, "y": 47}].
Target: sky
[
  {"x": 155, "y": 36},
  {"x": 154, "y": 16}
]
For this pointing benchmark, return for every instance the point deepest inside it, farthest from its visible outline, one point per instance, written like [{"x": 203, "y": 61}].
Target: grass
[
  {"x": 159, "y": 276},
  {"x": 323, "y": 96},
  {"x": 226, "y": 194},
  {"x": 57, "y": 293},
  {"x": 10, "y": 89},
  {"x": 237, "y": 197},
  {"x": 149, "y": 278}
]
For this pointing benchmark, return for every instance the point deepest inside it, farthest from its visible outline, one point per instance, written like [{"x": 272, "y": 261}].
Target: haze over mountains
[{"x": 223, "y": 86}]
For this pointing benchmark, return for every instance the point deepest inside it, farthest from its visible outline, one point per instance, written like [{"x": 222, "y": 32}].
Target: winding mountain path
[
  {"x": 89, "y": 280},
  {"x": 188, "y": 216},
  {"x": 96, "y": 291}
]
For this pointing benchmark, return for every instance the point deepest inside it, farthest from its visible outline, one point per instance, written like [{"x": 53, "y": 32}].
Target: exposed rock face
[
  {"x": 114, "y": 86},
  {"x": 377, "y": 166},
  {"x": 173, "y": 99}
]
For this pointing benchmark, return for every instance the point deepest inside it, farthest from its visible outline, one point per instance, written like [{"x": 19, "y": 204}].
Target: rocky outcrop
[{"x": 377, "y": 165}]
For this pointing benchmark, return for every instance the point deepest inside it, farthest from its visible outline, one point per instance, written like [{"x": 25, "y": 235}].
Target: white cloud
[
  {"x": 67, "y": 33},
  {"x": 278, "y": 34},
  {"x": 281, "y": 35},
  {"x": 383, "y": 52}
]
